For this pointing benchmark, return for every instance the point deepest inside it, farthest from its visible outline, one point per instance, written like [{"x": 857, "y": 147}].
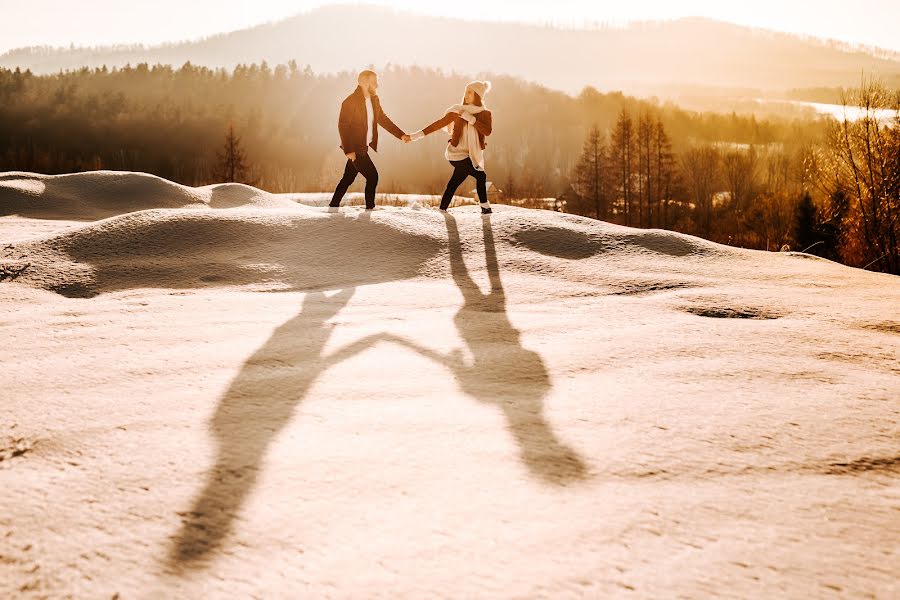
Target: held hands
[
  {"x": 351, "y": 156},
  {"x": 406, "y": 138}
]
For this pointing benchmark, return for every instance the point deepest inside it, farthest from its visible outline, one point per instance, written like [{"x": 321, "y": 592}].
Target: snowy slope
[
  {"x": 276, "y": 400},
  {"x": 99, "y": 194}
]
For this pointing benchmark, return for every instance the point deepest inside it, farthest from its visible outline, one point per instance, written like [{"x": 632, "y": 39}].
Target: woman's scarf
[{"x": 476, "y": 152}]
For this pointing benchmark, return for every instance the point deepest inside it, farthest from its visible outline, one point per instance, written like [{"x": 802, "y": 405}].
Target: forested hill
[
  {"x": 171, "y": 122},
  {"x": 643, "y": 58}
]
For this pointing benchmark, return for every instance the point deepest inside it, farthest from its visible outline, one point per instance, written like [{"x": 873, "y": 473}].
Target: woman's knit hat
[{"x": 479, "y": 87}]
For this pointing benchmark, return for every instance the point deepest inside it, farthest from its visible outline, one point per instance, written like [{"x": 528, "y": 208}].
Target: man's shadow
[
  {"x": 502, "y": 372},
  {"x": 259, "y": 403}
]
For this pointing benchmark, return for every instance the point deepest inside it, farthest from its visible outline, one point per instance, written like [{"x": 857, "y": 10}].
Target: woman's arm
[
  {"x": 484, "y": 123},
  {"x": 440, "y": 123}
]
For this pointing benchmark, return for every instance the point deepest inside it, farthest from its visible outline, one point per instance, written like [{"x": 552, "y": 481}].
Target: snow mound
[
  {"x": 317, "y": 249},
  {"x": 570, "y": 237},
  {"x": 238, "y": 195},
  {"x": 161, "y": 234},
  {"x": 100, "y": 194},
  {"x": 273, "y": 249}
]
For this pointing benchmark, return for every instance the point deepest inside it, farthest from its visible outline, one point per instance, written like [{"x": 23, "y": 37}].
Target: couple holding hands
[{"x": 468, "y": 124}]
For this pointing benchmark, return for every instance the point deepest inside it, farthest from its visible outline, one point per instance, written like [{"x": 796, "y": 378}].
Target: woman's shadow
[{"x": 502, "y": 372}]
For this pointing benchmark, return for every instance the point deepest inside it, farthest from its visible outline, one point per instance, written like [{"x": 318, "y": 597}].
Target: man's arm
[
  {"x": 389, "y": 125},
  {"x": 345, "y": 124}
]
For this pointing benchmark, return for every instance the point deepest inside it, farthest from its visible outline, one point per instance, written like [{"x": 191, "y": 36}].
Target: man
[{"x": 361, "y": 115}]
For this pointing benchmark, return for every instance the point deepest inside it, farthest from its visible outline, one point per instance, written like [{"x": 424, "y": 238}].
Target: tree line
[
  {"x": 728, "y": 177},
  {"x": 837, "y": 196}
]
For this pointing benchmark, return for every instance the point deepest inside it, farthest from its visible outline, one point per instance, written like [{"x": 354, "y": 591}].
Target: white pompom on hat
[{"x": 479, "y": 87}]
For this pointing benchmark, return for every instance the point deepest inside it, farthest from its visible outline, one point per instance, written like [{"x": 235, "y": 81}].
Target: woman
[{"x": 468, "y": 124}]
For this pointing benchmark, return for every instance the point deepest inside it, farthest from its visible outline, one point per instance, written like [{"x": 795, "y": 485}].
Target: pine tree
[
  {"x": 622, "y": 158},
  {"x": 645, "y": 168},
  {"x": 590, "y": 173},
  {"x": 807, "y": 220},
  {"x": 232, "y": 166},
  {"x": 665, "y": 171}
]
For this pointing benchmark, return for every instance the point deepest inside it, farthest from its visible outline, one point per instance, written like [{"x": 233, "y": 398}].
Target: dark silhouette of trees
[
  {"x": 702, "y": 177},
  {"x": 832, "y": 216},
  {"x": 591, "y": 176},
  {"x": 231, "y": 161},
  {"x": 807, "y": 227},
  {"x": 665, "y": 174},
  {"x": 164, "y": 120},
  {"x": 861, "y": 160},
  {"x": 655, "y": 168},
  {"x": 622, "y": 158},
  {"x": 644, "y": 139},
  {"x": 739, "y": 178}
]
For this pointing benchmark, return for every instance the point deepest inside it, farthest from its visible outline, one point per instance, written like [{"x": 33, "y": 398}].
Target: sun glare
[{"x": 99, "y": 22}]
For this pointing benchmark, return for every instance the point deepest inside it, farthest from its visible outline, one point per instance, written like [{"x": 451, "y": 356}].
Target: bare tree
[
  {"x": 701, "y": 173},
  {"x": 739, "y": 177},
  {"x": 862, "y": 159}
]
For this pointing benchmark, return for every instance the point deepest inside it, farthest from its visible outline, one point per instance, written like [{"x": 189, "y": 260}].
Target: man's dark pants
[{"x": 363, "y": 164}]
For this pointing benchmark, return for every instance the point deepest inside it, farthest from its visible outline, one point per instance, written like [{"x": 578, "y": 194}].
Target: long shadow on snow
[
  {"x": 259, "y": 403},
  {"x": 503, "y": 373},
  {"x": 264, "y": 395}
]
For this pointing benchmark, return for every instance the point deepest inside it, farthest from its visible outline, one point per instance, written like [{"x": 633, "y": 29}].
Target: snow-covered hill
[
  {"x": 99, "y": 194},
  {"x": 255, "y": 397}
]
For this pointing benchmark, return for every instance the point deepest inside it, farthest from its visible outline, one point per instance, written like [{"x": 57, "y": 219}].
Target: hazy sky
[{"x": 100, "y": 22}]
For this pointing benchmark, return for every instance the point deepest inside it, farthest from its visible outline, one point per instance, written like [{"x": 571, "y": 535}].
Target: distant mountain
[{"x": 643, "y": 58}]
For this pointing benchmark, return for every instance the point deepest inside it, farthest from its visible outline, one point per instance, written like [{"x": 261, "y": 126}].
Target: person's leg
[
  {"x": 461, "y": 170},
  {"x": 367, "y": 169},
  {"x": 345, "y": 182},
  {"x": 481, "y": 184},
  {"x": 481, "y": 188}
]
